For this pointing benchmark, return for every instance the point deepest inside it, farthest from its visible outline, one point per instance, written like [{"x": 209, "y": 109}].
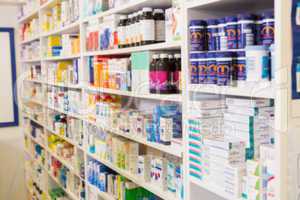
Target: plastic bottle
[
  {"x": 212, "y": 34},
  {"x": 202, "y": 67},
  {"x": 268, "y": 28},
  {"x": 177, "y": 74},
  {"x": 194, "y": 71},
  {"x": 147, "y": 26},
  {"x": 197, "y": 35},
  {"x": 160, "y": 32},
  {"x": 246, "y": 30},
  {"x": 212, "y": 68},
  {"x": 152, "y": 74},
  {"x": 122, "y": 31},
  {"x": 224, "y": 63},
  {"x": 222, "y": 38},
  {"x": 232, "y": 32},
  {"x": 162, "y": 74}
]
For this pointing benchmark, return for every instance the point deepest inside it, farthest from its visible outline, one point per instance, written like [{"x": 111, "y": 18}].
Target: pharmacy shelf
[
  {"x": 224, "y": 4},
  {"x": 71, "y": 28},
  {"x": 69, "y": 193},
  {"x": 124, "y": 51},
  {"x": 31, "y": 60},
  {"x": 35, "y": 81},
  {"x": 169, "y": 149},
  {"x": 58, "y": 58},
  {"x": 213, "y": 189},
  {"x": 131, "y": 7},
  {"x": 71, "y": 86},
  {"x": 48, "y": 4},
  {"x": 32, "y": 39},
  {"x": 33, "y": 101},
  {"x": 103, "y": 195},
  {"x": 34, "y": 120},
  {"x": 29, "y": 16},
  {"x": 161, "y": 97},
  {"x": 64, "y": 112},
  {"x": 138, "y": 180},
  {"x": 35, "y": 140},
  {"x": 253, "y": 90}
]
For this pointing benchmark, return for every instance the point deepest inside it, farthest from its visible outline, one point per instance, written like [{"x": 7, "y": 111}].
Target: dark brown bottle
[
  {"x": 153, "y": 75},
  {"x": 147, "y": 26},
  {"x": 162, "y": 74},
  {"x": 159, "y": 17}
]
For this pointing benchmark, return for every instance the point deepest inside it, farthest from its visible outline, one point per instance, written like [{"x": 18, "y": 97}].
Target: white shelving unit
[{"x": 287, "y": 111}]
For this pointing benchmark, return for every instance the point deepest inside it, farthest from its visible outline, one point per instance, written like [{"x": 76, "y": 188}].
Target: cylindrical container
[
  {"x": 239, "y": 65},
  {"x": 202, "y": 67},
  {"x": 212, "y": 68},
  {"x": 162, "y": 74},
  {"x": 212, "y": 33},
  {"x": 152, "y": 74},
  {"x": 246, "y": 30},
  {"x": 224, "y": 63},
  {"x": 232, "y": 32},
  {"x": 257, "y": 63},
  {"x": 222, "y": 38},
  {"x": 268, "y": 28},
  {"x": 197, "y": 35},
  {"x": 273, "y": 63},
  {"x": 194, "y": 71}
]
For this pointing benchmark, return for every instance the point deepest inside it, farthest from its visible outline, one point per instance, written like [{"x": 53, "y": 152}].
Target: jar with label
[
  {"x": 197, "y": 35},
  {"x": 246, "y": 30},
  {"x": 268, "y": 28},
  {"x": 224, "y": 63},
  {"x": 212, "y": 69},
  {"x": 212, "y": 33},
  {"x": 257, "y": 63},
  {"x": 160, "y": 32},
  {"x": 147, "y": 26},
  {"x": 162, "y": 74},
  {"x": 202, "y": 68},
  {"x": 222, "y": 38},
  {"x": 232, "y": 32},
  {"x": 194, "y": 68},
  {"x": 122, "y": 31},
  {"x": 177, "y": 74},
  {"x": 152, "y": 73}
]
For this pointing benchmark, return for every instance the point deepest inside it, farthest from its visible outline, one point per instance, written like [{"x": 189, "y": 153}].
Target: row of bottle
[
  {"x": 232, "y": 32},
  {"x": 143, "y": 27},
  {"x": 165, "y": 73}
]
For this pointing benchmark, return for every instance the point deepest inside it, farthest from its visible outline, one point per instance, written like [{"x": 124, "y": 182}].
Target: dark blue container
[
  {"x": 268, "y": 28},
  {"x": 212, "y": 34},
  {"x": 232, "y": 32},
  {"x": 202, "y": 67},
  {"x": 197, "y": 35},
  {"x": 194, "y": 68},
  {"x": 246, "y": 30},
  {"x": 224, "y": 63},
  {"x": 212, "y": 68},
  {"x": 258, "y": 27},
  {"x": 221, "y": 38},
  {"x": 240, "y": 66}
]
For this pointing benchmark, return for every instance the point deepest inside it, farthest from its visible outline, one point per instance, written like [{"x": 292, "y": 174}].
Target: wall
[{"x": 12, "y": 185}]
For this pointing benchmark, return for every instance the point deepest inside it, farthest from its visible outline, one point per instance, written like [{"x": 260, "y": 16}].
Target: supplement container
[
  {"x": 212, "y": 68},
  {"x": 212, "y": 34},
  {"x": 202, "y": 67},
  {"x": 122, "y": 31},
  {"x": 147, "y": 26},
  {"x": 222, "y": 38},
  {"x": 152, "y": 73},
  {"x": 268, "y": 28},
  {"x": 232, "y": 32},
  {"x": 162, "y": 74},
  {"x": 258, "y": 26},
  {"x": 159, "y": 17},
  {"x": 197, "y": 35},
  {"x": 257, "y": 63},
  {"x": 246, "y": 30},
  {"x": 224, "y": 63},
  {"x": 239, "y": 66},
  {"x": 194, "y": 71}
]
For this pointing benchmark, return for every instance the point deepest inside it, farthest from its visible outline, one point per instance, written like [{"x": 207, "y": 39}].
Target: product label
[
  {"x": 267, "y": 33},
  {"x": 160, "y": 31},
  {"x": 246, "y": 34},
  {"x": 194, "y": 72},
  {"x": 224, "y": 73},
  {"x": 197, "y": 39},
  {"x": 148, "y": 30},
  {"x": 212, "y": 72},
  {"x": 231, "y": 33},
  {"x": 212, "y": 38},
  {"x": 240, "y": 68},
  {"x": 162, "y": 80}
]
